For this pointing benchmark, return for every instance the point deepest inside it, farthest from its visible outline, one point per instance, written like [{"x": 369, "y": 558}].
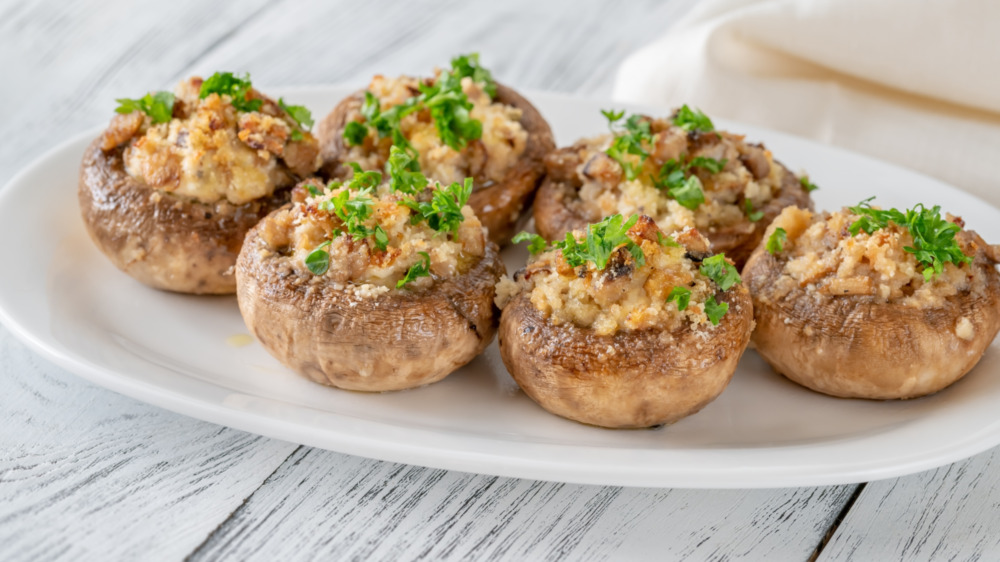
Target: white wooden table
[{"x": 88, "y": 474}]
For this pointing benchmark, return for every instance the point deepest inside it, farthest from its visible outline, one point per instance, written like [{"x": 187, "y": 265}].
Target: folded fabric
[{"x": 914, "y": 83}]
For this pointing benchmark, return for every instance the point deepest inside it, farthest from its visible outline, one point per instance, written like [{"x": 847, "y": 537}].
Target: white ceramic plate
[{"x": 64, "y": 299}]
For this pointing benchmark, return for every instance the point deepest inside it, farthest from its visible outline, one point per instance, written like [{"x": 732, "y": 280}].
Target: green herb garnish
[
  {"x": 667, "y": 241},
  {"x": 933, "y": 237},
  {"x": 715, "y": 310},
  {"x": 355, "y": 133},
  {"x": 404, "y": 172},
  {"x": 236, "y": 87},
  {"x": 754, "y": 216},
  {"x": 681, "y": 184},
  {"x": 299, "y": 114},
  {"x": 718, "y": 269},
  {"x": 468, "y": 65},
  {"x": 776, "y": 241},
  {"x": 449, "y": 107},
  {"x": 318, "y": 260},
  {"x": 808, "y": 185},
  {"x": 602, "y": 240},
  {"x": 159, "y": 106},
  {"x": 692, "y": 120},
  {"x": 420, "y": 269},
  {"x": 536, "y": 244},
  {"x": 680, "y": 294},
  {"x": 711, "y": 164},
  {"x": 629, "y": 137},
  {"x": 443, "y": 212}
]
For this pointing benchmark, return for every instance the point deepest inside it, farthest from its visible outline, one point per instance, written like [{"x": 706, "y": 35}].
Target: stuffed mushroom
[
  {"x": 680, "y": 171},
  {"x": 873, "y": 303},
  {"x": 459, "y": 123},
  {"x": 624, "y": 326},
  {"x": 172, "y": 186},
  {"x": 369, "y": 285}
]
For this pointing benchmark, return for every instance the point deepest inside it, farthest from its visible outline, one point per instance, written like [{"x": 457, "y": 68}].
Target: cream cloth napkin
[{"x": 912, "y": 82}]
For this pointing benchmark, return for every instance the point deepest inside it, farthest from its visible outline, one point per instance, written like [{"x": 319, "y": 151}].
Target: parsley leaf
[
  {"x": 602, "y": 240},
  {"x": 629, "y": 137},
  {"x": 318, "y": 260},
  {"x": 299, "y": 113},
  {"x": 468, "y": 65},
  {"x": 355, "y": 133},
  {"x": 718, "y": 269},
  {"x": 443, "y": 212},
  {"x": 692, "y": 120},
  {"x": 711, "y": 164},
  {"x": 715, "y": 310},
  {"x": 776, "y": 242},
  {"x": 754, "y": 216},
  {"x": 420, "y": 269},
  {"x": 808, "y": 185},
  {"x": 933, "y": 236},
  {"x": 404, "y": 172},
  {"x": 159, "y": 106},
  {"x": 689, "y": 194},
  {"x": 667, "y": 241},
  {"x": 536, "y": 244},
  {"x": 680, "y": 294},
  {"x": 236, "y": 87}
]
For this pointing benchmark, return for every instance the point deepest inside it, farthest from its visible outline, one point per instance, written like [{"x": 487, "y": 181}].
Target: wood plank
[
  {"x": 86, "y": 472},
  {"x": 338, "y": 507},
  {"x": 946, "y": 514}
]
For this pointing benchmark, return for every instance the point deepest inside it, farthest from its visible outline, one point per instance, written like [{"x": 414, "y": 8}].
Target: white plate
[{"x": 64, "y": 299}]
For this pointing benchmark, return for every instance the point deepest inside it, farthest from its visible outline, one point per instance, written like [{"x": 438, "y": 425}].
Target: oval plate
[{"x": 66, "y": 301}]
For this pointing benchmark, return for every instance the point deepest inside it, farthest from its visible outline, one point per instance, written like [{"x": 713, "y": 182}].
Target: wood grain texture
[
  {"x": 311, "y": 505},
  {"x": 86, "y": 473},
  {"x": 946, "y": 514}
]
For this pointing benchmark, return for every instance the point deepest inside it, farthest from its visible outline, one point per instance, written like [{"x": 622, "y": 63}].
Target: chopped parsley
[
  {"x": 681, "y": 184},
  {"x": 681, "y": 295},
  {"x": 318, "y": 260},
  {"x": 420, "y": 269},
  {"x": 718, "y": 269},
  {"x": 754, "y": 216},
  {"x": 447, "y": 103},
  {"x": 776, "y": 241},
  {"x": 933, "y": 237},
  {"x": 715, "y": 310},
  {"x": 536, "y": 244},
  {"x": 629, "y": 137},
  {"x": 692, "y": 120},
  {"x": 443, "y": 212},
  {"x": 354, "y": 210},
  {"x": 807, "y": 185},
  {"x": 667, "y": 241},
  {"x": 236, "y": 87},
  {"x": 301, "y": 115},
  {"x": 159, "y": 106},
  {"x": 602, "y": 240},
  {"x": 404, "y": 172}
]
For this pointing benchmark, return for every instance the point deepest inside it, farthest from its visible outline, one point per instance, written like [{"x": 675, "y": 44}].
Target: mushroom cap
[
  {"x": 498, "y": 205},
  {"x": 852, "y": 346},
  {"x": 162, "y": 240},
  {"x": 630, "y": 379},
  {"x": 390, "y": 341}
]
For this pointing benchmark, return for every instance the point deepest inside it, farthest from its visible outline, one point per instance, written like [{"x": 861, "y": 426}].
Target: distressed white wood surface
[
  {"x": 85, "y": 473},
  {"x": 952, "y": 513},
  {"x": 412, "y": 513}
]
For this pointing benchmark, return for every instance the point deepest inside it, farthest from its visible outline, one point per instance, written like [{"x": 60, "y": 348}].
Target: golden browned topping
[
  {"x": 823, "y": 257},
  {"x": 451, "y": 121},
  {"x": 678, "y": 170},
  {"x": 372, "y": 237},
  {"x": 214, "y": 140},
  {"x": 625, "y": 276}
]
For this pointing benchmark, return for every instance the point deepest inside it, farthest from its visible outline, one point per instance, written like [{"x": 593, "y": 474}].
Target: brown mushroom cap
[
  {"x": 498, "y": 205},
  {"x": 159, "y": 239},
  {"x": 627, "y": 380},
  {"x": 854, "y": 347},
  {"x": 396, "y": 340},
  {"x": 554, "y": 216}
]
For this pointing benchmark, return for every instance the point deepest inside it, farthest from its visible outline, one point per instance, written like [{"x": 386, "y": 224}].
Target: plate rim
[{"x": 450, "y": 459}]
